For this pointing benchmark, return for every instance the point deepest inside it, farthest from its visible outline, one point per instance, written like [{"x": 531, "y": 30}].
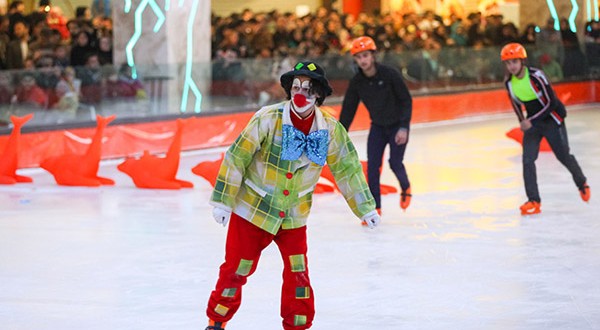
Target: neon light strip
[
  {"x": 589, "y": 10},
  {"x": 596, "y": 10},
  {"x": 553, "y": 14},
  {"x": 189, "y": 82},
  {"x": 159, "y": 15},
  {"x": 573, "y": 15},
  {"x": 137, "y": 24}
]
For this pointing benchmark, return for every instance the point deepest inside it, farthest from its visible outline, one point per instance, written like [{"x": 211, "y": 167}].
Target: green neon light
[
  {"x": 589, "y": 10},
  {"x": 127, "y": 8},
  {"x": 596, "y": 10},
  {"x": 168, "y": 5},
  {"x": 189, "y": 82},
  {"x": 553, "y": 14},
  {"x": 573, "y": 15}
]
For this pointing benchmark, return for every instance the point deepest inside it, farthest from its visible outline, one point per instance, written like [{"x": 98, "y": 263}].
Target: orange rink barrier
[{"x": 220, "y": 130}]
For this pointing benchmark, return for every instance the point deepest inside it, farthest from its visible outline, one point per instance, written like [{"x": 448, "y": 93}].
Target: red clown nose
[{"x": 300, "y": 100}]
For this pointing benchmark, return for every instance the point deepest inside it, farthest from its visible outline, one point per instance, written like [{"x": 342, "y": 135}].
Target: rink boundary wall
[{"x": 220, "y": 130}]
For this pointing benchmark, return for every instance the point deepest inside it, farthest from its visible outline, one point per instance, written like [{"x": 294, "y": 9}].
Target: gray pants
[{"x": 557, "y": 138}]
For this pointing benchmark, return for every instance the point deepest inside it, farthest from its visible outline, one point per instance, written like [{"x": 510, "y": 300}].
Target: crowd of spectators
[
  {"x": 54, "y": 62},
  {"x": 51, "y": 62},
  {"x": 437, "y": 44}
]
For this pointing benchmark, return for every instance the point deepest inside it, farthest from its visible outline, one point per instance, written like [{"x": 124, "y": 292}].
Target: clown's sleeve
[
  {"x": 348, "y": 173},
  {"x": 235, "y": 162}
]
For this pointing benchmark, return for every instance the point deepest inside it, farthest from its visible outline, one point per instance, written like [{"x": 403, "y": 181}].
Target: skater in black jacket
[{"x": 389, "y": 103}]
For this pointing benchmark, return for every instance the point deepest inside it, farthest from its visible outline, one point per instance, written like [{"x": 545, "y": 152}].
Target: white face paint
[{"x": 302, "y": 98}]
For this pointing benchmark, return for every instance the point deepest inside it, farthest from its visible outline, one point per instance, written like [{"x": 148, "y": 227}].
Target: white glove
[
  {"x": 221, "y": 215},
  {"x": 372, "y": 219}
]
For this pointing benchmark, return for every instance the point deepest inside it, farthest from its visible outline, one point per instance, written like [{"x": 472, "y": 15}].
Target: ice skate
[
  {"x": 405, "y": 197},
  {"x": 212, "y": 325},
  {"x": 585, "y": 192},
  {"x": 531, "y": 207},
  {"x": 364, "y": 223}
]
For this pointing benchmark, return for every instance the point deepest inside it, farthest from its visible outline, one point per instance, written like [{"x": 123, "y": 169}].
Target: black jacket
[{"x": 385, "y": 96}]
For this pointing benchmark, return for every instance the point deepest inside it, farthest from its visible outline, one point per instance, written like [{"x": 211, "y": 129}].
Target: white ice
[{"x": 461, "y": 257}]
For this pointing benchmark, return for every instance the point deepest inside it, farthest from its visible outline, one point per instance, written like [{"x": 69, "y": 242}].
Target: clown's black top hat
[{"x": 309, "y": 69}]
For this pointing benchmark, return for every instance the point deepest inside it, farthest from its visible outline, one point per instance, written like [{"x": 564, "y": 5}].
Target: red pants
[{"x": 244, "y": 245}]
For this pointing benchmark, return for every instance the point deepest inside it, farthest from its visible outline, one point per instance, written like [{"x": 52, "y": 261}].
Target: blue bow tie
[{"x": 314, "y": 145}]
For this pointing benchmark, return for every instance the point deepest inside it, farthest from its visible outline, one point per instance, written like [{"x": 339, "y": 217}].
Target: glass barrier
[{"x": 72, "y": 97}]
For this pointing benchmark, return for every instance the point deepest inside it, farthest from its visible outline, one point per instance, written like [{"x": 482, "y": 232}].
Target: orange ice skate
[
  {"x": 531, "y": 207},
  {"x": 405, "y": 197},
  {"x": 585, "y": 192}
]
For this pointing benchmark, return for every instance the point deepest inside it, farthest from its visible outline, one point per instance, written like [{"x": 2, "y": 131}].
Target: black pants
[
  {"x": 557, "y": 138},
  {"x": 379, "y": 137}
]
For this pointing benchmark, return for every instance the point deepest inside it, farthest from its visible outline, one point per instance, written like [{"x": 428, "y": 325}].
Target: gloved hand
[
  {"x": 372, "y": 219},
  {"x": 221, "y": 215}
]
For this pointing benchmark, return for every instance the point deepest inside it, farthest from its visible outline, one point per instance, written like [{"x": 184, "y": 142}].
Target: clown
[
  {"x": 530, "y": 89},
  {"x": 264, "y": 191}
]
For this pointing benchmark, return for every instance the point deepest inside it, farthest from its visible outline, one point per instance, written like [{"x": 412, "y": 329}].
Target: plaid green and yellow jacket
[{"x": 257, "y": 184}]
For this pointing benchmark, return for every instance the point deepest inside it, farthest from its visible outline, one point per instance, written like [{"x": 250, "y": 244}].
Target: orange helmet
[
  {"x": 513, "y": 51},
  {"x": 361, "y": 44}
]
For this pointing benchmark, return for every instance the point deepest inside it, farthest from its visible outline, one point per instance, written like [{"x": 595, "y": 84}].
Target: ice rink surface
[{"x": 461, "y": 257}]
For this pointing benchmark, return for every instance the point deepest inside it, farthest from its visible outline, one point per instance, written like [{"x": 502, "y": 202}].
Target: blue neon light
[
  {"x": 553, "y": 14},
  {"x": 189, "y": 82},
  {"x": 573, "y": 15},
  {"x": 137, "y": 32},
  {"x": 160, "y": 17},
  {"x": 137, "y": 25}
]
